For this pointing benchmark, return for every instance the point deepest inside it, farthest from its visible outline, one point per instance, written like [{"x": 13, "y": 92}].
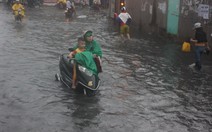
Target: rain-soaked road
[{"x": 146, "y": 84}]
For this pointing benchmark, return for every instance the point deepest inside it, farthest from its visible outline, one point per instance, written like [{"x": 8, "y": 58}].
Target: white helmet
[
  {"x": 197, "y": 25},
  {"x": 123, "y": 8}
]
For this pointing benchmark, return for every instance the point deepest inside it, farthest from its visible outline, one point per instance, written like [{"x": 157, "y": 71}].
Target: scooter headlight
[{"x": 86, "y": 71}]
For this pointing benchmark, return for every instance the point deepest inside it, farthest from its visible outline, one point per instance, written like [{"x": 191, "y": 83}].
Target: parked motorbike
[{"x": 87, "y": 82}]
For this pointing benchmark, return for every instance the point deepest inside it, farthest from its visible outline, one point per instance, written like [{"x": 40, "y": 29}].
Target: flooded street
[{"x": 147, "y": 85}]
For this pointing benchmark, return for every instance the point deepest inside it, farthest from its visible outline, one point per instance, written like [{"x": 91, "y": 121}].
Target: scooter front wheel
[
  {"x": 18, "y": 18},
  {"x": 89, "y": 92}
]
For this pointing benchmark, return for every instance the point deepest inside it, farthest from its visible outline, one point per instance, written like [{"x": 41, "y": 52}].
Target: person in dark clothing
[{"x": 200, "y": 43}]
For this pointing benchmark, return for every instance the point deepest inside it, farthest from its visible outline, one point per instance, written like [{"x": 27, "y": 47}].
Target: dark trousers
[{"x": 198, "y": 52}]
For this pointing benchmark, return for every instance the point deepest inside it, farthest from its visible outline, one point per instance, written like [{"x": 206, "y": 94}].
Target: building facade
[{"x": 174, "y": 17}]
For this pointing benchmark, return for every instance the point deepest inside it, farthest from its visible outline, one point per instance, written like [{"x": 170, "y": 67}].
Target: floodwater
[{"x": 147, "y": 85}]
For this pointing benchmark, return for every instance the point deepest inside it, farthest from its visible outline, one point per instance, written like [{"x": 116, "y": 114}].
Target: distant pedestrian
[
  {"x": 124, "y": 19},
  {"x": 200, "y": 43},
  {"x": 68, "y": 11},
  {"x": 73, "y": 8},
  {"x": 68, "y": 4}
]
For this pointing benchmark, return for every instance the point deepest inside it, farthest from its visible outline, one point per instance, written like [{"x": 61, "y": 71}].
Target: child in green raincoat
[{"x": 80, "y": 48}]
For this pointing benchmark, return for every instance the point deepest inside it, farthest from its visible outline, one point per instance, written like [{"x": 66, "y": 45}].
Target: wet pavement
[{"x": 147, "y": 85}]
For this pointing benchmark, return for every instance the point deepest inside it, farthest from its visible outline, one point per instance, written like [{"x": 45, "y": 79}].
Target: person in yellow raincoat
[
  {"x": 62, "y": 1},
  {"x": 18, "y": 7}
]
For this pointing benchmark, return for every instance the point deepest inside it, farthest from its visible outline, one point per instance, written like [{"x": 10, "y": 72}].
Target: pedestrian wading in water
[
  {"x": 124, "y": 20},
  {"x": 200, "y": 43}
]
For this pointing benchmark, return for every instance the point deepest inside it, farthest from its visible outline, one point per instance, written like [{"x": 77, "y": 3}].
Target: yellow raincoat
[
  {"x": 63, "y": 1},
  {"x": 16, "y": 7}
]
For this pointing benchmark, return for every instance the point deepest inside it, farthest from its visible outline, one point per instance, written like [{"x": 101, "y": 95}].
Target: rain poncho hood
[
  {"x": 86, "y": 59},
  {"x": 87, "y": 34}
]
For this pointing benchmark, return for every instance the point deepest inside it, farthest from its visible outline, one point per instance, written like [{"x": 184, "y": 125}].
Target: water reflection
[{"x": 86, "y": 112}]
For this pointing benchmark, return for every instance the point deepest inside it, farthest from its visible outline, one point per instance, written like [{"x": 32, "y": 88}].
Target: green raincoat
[
  {"x": 86, "y": 59},
  {"x": 93, "y": 47}
]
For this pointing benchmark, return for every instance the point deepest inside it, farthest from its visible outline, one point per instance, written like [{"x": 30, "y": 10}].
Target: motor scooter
[{"x": 87, "y": 82}]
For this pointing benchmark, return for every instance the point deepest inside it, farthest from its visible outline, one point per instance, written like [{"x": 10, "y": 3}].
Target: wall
[
  {"x": 162, "y": 7},
  {"x": 141, "y": 12},
  {"x": 112, "y": 8},
  {"x": 148, "y": 15},
  {"x": 133, "y": 8},
  {"x": 151, "y": 16},
  {"x": 189, "y": 16}
]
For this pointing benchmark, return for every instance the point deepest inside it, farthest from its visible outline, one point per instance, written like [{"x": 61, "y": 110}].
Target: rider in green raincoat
[
  {"x": 92, "y": 45},
  {"x": 92, "y": 50}
]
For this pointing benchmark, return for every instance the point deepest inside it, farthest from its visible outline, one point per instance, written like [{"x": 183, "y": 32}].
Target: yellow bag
[{"x": 186, "y": 47}]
